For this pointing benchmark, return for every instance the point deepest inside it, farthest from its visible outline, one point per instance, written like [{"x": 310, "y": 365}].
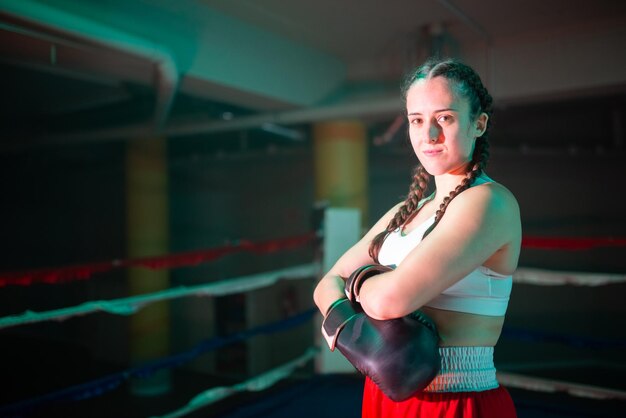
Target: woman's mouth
[{"x": 432, "y": 152}]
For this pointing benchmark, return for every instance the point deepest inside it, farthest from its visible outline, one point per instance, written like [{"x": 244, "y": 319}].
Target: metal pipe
[
  {"x": 466, "y": 19},
  {"x": 360, "y": 109},
  {"x": 384, "y": 106},
  {"x": 472, "y": 24}
]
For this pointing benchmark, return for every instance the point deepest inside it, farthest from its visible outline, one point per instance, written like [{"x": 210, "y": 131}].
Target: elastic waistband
[{"x": 465, "y": 369}]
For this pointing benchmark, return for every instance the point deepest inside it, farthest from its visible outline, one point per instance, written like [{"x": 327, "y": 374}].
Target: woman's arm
[
  {"x": 478, "y": 222},
  {"x": 331, "y": 286}
]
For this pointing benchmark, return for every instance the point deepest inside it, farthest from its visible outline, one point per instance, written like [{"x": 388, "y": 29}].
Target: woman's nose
[{"x": 433, "y": 132}]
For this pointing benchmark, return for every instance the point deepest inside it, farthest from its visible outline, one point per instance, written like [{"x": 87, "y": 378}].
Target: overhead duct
[{"x": 47, "y": 24}]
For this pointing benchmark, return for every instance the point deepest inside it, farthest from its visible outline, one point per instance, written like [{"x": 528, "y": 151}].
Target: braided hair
[{"x": 468, "y": 85}]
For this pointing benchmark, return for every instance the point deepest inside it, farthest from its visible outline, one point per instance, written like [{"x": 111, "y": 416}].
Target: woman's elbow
[
  {"x": 328, "y": 290},
  {"x": 383, "y": 306},
  {"x": 318, "y": 296}
]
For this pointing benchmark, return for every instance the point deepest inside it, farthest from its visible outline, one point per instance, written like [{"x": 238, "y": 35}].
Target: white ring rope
[
  {"x": 537, "y": 384},
  {"x": 257, "y": 383},
  {"x": 130, "y": 305},
  {"x": 553, "y": 278}
]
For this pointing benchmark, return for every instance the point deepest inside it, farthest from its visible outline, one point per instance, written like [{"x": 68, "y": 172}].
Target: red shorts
[{"x": 494, "y": 403}]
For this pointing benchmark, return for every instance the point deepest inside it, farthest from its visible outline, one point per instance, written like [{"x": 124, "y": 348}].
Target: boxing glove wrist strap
[
  {"x": 335, "y": 303},
  {"x": 339, "y": 313},
  {"x": 359, "y": 276}
]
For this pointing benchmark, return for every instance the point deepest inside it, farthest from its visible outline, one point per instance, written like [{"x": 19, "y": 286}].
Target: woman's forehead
[{"x": 436, "y": 93}]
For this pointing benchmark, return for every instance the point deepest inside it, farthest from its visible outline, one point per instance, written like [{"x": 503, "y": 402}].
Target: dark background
[{"x": 559, "y": 149}]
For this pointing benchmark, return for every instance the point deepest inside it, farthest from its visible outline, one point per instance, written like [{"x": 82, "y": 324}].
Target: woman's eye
[
  {"x": 444, "y": 118},
  {"x": 416, "y": 121}
]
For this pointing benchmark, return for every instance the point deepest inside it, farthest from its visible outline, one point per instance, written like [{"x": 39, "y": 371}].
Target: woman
[{"x": 454, "y": 250}]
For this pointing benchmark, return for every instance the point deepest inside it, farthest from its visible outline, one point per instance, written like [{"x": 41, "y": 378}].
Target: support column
[
  {"x": 340, "y": 153},
  {"x": 148, "y": 235}
]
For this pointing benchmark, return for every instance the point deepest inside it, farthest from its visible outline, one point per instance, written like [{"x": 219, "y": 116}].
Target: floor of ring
[
  {"x": 28, "y": 374},
  {"x": 303, "y": 396}
]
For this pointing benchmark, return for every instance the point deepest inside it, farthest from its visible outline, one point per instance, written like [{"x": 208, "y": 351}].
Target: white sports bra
[{"x": 482, "y": 292}]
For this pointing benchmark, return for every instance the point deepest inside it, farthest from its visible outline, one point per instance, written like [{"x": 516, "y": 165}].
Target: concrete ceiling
[
  {"x": 118, "y": 68},
  {"x": 361, "y": 32}
]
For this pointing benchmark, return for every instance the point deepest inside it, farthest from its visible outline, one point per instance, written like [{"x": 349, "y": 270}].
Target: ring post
[{"x": 342, "y": 229}]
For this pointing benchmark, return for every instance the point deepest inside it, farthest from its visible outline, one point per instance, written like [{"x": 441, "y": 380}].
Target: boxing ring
[{"x": 304, "y": 385}]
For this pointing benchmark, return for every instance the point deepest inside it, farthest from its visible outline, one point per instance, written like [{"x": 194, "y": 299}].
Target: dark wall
[
  {"x": 64, "y": 206},
  {"x": 59, "y": 207},
  {"x": 67, "y": 206},
  {"x": 221, "y": 198}
]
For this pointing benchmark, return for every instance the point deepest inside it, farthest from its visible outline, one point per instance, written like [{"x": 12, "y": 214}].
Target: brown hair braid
[
  {"x": 406, "y": 211},
  {"x": 468, "y": 84}
]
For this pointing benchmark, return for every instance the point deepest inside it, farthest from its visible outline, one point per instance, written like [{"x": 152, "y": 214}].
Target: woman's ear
[{"x": 481, "y": 124}]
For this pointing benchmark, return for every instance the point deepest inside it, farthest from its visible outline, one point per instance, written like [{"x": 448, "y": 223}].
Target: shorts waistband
[{"x": 465, "y": 369}]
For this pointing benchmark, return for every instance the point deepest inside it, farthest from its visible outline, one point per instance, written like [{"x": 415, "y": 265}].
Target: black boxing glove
[
  {"x": 400, "y": 355},
  {"x": 358, "y": 276}
]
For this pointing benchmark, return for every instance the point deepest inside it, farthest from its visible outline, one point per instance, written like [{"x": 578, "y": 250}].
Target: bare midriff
[{"x": 463, "y": 329}]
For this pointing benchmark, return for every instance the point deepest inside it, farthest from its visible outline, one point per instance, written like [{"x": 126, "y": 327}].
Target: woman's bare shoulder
[{"x": 493, "y": 197}]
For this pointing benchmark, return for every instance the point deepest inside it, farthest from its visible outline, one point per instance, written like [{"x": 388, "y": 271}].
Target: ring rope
[
  {"x": 551, "y": 278},
  {"x": 105, "y": 384},
  {"x": 85, "y": 271},
  {"x": 130, "y": 305},
  {"x": 563, "y": 339},
  {"x": 537, "y": 384},
  {"x": 571, "y": 243},
  {"x": 258, "y": 383},
  {"x": 190, "y": 258}
]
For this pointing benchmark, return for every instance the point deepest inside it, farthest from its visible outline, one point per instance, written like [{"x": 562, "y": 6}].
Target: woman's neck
[{"x": 446, "y": 183}]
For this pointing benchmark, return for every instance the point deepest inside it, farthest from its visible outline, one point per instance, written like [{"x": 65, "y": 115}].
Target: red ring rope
[
  {"x": 85, "y": 271},
  {"x": 567, "y": 243}
]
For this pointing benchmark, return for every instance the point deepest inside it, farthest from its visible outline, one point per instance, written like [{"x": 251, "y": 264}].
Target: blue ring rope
[
  {"x": 105, "y": 384},
  {"x": 577, "y": 341}
]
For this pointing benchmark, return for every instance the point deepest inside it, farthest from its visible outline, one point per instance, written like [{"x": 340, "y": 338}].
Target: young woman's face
[{"x": 441, "y": 129}]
